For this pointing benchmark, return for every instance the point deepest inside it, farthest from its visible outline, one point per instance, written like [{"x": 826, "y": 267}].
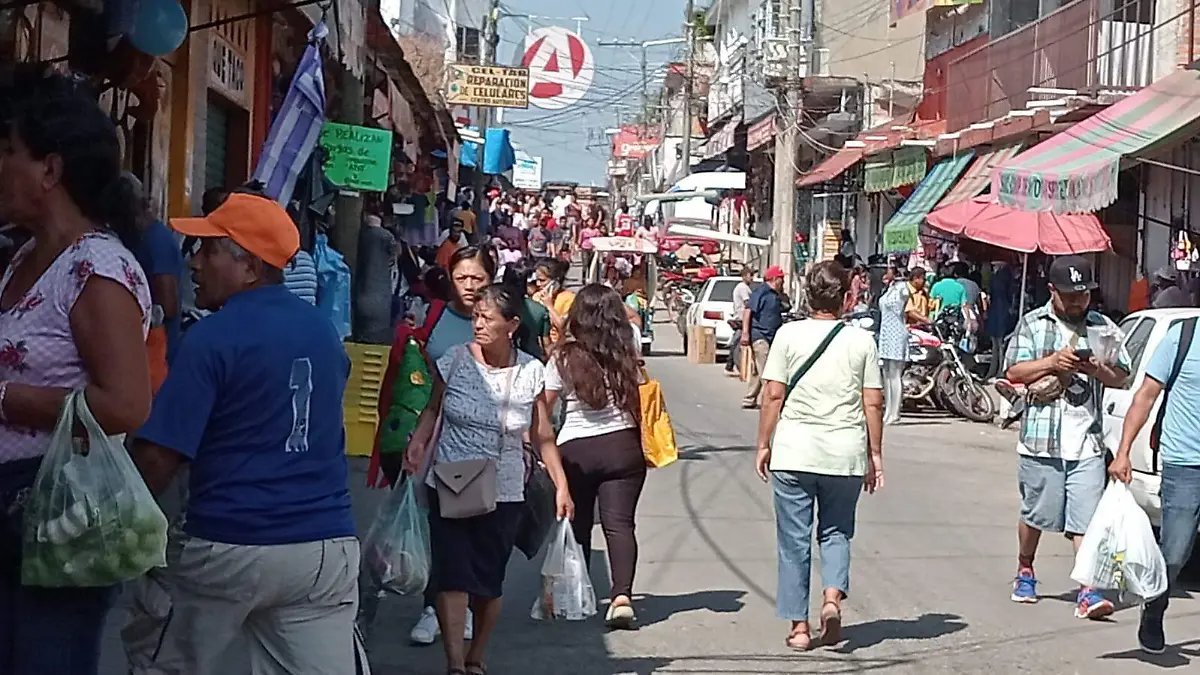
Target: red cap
[{"x": 773, "y": 272}]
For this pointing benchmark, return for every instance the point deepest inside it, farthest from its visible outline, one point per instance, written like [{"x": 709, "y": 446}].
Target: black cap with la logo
[{"x": 1072, "y": 274}]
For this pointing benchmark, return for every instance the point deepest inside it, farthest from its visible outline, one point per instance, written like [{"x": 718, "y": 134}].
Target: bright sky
[{"x": 562, "y": 137}]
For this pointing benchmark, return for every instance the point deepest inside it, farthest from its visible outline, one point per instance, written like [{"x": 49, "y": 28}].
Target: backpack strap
[
  {"x": 1187, "y": 332},
  {"x": 812, "y": 359}
]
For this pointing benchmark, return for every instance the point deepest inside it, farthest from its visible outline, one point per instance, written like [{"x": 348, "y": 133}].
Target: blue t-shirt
[
  {"x": 1180, "y": 439},
  {"x": 766, "y": 313},
  {"x": 254, "y": 400},
  {"x": 451, "y": 330},
  {"x": 159, "y": 255}
]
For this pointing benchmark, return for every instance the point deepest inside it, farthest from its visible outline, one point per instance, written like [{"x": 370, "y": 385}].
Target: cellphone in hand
[{"x": 1083, "y": 354}]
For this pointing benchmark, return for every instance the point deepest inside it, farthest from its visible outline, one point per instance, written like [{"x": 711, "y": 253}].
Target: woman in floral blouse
[{"x": 74, "y": 310}]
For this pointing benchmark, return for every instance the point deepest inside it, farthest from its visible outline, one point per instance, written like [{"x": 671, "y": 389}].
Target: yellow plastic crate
[{"x": 360, "y": 403}]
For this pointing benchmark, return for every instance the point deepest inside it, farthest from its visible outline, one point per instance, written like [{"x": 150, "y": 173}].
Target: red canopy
[{"x": 982, "y": 219}]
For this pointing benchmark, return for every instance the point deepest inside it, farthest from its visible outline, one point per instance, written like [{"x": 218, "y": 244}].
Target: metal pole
[
  {"x": 645, "y": 88},
  {"x": 690, "y": 27},
  {"x": 1024, "y": 280}
]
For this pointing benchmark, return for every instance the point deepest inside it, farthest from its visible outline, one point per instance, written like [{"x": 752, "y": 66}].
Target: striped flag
[{"x": 297, "y": 125}]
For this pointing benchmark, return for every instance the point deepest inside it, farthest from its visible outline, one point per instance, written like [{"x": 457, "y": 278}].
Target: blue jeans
[
  {"x": 797, "y": 496},
  {"x": 43, "y": 630},
  {"x": 1180, "y": 519}
]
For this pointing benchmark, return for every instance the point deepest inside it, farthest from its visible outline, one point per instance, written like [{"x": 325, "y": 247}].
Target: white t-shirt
[
  {"x": 1078, "y": 412},
  {"x": 823, "y": 428},
  {"x": 559, "y": 205},
  {"x": 580, "y": 421}
]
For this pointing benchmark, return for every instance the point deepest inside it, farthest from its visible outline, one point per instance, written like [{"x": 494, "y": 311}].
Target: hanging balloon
[{"x": 159, "y": 27}]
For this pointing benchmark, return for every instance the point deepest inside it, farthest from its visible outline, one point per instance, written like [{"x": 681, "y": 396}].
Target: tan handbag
[{"x": 467, "y": 488}]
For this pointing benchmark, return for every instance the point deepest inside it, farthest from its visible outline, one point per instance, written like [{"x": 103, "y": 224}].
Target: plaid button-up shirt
[{"x": 1038, "y": 336}]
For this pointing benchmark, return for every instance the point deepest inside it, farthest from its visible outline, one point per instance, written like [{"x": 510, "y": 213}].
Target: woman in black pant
[{"x": 595, "y": 369}]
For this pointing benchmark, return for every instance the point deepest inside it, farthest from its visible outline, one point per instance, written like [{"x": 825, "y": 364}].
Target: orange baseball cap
[{"x": 257, "y": 224}]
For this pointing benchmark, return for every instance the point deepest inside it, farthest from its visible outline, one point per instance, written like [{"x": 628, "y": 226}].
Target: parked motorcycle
[{"x": 963, "y": 390}]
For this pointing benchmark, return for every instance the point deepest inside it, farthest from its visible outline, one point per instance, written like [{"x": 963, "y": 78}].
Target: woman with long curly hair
[{"x": 596, "y": 371}]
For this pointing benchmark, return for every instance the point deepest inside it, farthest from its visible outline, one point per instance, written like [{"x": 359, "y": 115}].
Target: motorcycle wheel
[
  {"x": 943, "y": 387},
  {"x": 971, "y": 401}
]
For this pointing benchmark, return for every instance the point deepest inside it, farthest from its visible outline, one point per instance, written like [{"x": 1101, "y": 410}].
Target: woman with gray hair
[{"x": 820, "y": 443}]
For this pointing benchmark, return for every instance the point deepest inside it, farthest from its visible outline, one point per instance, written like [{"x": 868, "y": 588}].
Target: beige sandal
[
  {"x": 831, "y": 623},
  {"x": 799, "y": 640}
]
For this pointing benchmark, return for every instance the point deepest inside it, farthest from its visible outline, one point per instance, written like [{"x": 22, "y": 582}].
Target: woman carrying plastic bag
[
  {"x": 567, "y": 591},
  {"x": 90, "y": 519},
  {"x": 1119, "y": 551}
]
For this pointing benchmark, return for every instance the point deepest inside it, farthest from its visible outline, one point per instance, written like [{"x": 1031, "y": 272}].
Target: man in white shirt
[
  {"x": 560, "y": 204},
  {"x": 741, "y": 293}
]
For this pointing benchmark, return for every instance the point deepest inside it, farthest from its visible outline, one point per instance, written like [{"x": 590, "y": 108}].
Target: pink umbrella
[{"x": 982, "y": 219}]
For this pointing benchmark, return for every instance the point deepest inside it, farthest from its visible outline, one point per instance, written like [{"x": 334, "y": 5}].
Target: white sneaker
[{"x": 426, "y": 631}]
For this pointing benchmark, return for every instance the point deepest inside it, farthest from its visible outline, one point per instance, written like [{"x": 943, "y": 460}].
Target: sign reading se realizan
[
  {"x": 359, "y": 157},
  {"x": 488, "y": 86}
]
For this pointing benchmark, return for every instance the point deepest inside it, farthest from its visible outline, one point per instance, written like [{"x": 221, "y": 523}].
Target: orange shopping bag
[{"x": 658, "y": 436}]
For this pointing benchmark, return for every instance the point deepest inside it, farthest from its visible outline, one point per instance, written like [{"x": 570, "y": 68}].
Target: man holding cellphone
[{"x": 1061, "y": 472}]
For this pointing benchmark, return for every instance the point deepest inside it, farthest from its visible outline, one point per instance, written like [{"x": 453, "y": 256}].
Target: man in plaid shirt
[{"x": 1061, "y": 471}]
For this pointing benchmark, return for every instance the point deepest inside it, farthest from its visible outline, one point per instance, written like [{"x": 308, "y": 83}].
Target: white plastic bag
[
  {"x": 396, "y": 550},
  {"x": 1119, "y": 551},
  {"x": 90, "y": 519},
  {"x": 567, "y": 591}
]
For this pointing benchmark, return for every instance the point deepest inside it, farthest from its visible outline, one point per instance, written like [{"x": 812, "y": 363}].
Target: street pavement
[{"x": 933, "y": 558}]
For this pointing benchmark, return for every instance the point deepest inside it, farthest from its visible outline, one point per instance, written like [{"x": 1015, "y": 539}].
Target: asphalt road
[{"x": 933, "y": 559}]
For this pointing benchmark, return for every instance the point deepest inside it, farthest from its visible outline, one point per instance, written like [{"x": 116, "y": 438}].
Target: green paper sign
[
  {"x": 900, "y": 238},
  {"x": 360, "y": 158}
]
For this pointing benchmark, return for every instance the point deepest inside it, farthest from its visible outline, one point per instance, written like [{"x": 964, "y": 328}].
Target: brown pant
[{"x": 760, "y": 349}]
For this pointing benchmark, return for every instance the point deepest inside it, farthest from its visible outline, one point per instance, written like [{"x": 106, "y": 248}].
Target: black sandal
[
  {"x": 456, "y": 671},
  {"x": 476, "y": 669}
]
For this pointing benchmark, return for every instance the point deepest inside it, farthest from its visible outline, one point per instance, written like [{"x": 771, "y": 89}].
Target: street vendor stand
[{"x": 983, "y": 219}]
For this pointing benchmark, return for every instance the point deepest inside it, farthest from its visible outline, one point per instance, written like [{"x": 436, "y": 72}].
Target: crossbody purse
[{"x": 467, "y": 488}]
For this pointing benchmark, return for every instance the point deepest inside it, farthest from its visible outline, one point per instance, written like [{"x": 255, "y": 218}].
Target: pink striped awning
[{"x": 1076, "y": 170}]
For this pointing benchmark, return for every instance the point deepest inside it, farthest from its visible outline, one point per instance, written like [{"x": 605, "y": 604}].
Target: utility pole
[
  {"x": 784, "y": 215},
  {"x": 688, "y": 89},
  {"x": 644, "y": 62},
  {"x": 487, "y": 57}
]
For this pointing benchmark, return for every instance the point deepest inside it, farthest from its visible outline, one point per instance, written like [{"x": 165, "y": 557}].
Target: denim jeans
[
  {"x": 1180, "y": 519},
  {"x": 797, "y": 496}
]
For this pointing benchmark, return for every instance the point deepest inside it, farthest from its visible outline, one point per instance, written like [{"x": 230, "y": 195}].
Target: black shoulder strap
[
  {"x": 1187, "y": 332},
  {"x": 812, "y": 359}
]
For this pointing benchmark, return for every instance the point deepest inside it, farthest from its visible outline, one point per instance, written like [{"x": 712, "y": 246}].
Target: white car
[
  {"x": 1143, "y": 333},
  {"x": 713, "y": 309}
]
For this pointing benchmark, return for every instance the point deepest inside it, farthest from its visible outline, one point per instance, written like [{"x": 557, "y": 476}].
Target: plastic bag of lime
[{"x": 90, "y": 520}]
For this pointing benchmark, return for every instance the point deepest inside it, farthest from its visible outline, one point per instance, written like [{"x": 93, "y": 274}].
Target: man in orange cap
[{"x": 253, "y": 404}]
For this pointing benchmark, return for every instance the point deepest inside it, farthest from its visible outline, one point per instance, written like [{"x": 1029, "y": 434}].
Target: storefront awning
[
  {"x": 975, "y": 180},
  {"x": 899, "y": 167},
  {"x": 833, "y": 166},
  {"x": 1076, "y": 171},
  {"x": 900, "y": 233}
]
